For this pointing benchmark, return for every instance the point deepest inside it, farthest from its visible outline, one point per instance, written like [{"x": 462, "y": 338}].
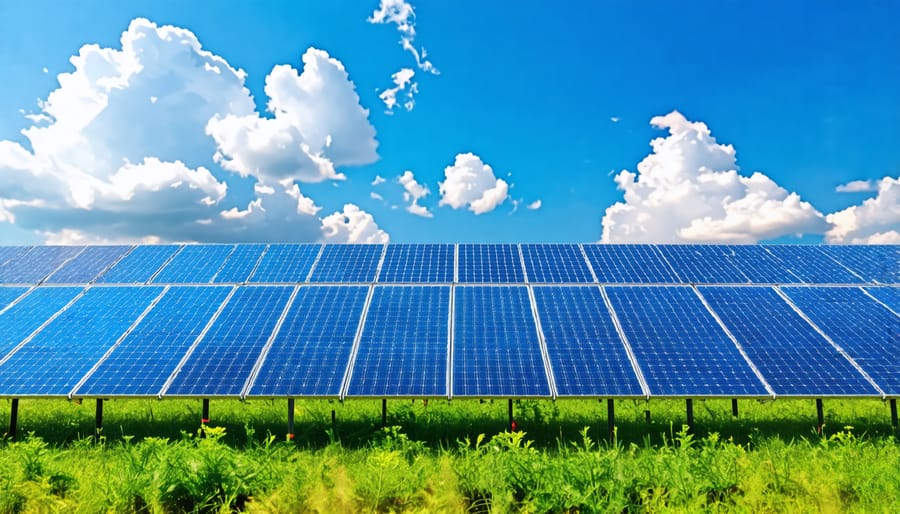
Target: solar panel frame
[
  {"x": 702, "y": 264},
  {"x": 30, "y": 312},
  {"x": 33, "y": 266},
  {"x": 139, "y": 266},
  {"x": 194, "y": 264},
  {"x": 813, "y": 266},
  {"x": 240, "y": 264},
  {"x": 878, "y": 264},
  {"x": 285, "y": 264},
  {"x": 555, "y": 263},
  {"x": 759, "y": 265},
  {"x": 9, "y": 294},
  {"x": 87, "y": 265},
  {"x": 494, "y": 263},
  {"x": 8, "y": 253},
  {"x": 889, "y": 296},
  {"x": 629, "y": 264},
  {"x": 348, "y": 263},
  {"x": 417, "y": 263}
]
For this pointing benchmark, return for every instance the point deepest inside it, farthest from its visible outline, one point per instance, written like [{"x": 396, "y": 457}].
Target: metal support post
[
  {"x": 734, "y": 408},
  {"x": 13, "y": 418},
  {"x": 820, "y": 412},
  {"x": 512, "y": 423},
  {"x": 98, "y": 415},
  {"x": 894, "y": 422},
  {"x": 290, "y": 434},
  {"x": 204, "y": 417},
  {"x": 611, "y": 419},
  {"x": 690, "y": 414},
  {"x": 383, "y": 412}
]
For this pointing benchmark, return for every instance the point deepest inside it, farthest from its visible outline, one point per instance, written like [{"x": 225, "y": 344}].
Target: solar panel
[
  {"x": 7, "y": 253},
  {"x": 60, "y": 354},
  {"x": 422, "y": 263},
  {"x": 875, "y": 263},
  {"x": 139, "y": 265},
  {"x": 586, "y": 353},
  {"x": 758, "y": 265},
  {"x": 679, "y": 346},
  {"x": 812, "y": 265},
  {"x": 867, "y": 331},
  {"x": 347, "y": 263},
  {"x": 9, "y": 294},
  {"x": 141, "y": 363},
  {"x": 889, "y": 296},
  {"x": 87, "y": 265},
  {"x": 494, "y": 263},
  {"x": 310, "y": 354},
  {"x": 285, "y": 264},
  {"x": 793, "y": 358},
  {"x": 702, "y": 264},
  {"x": 222, "y": 361},
  {"x": 555, "y": 263},
  {"x": 629, "y": 264},
  {"x": 33, "y": 266},
  {"x": 496, "y": 351},
  {"x": 26, "y": 316},
  {"x": 240, "y": 264},
  {"x": 194, "y": 264},
  {"x": 403, "y": 349}
]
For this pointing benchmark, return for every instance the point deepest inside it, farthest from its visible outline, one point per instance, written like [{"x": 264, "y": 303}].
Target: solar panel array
[{"x": 468, "y": 320}]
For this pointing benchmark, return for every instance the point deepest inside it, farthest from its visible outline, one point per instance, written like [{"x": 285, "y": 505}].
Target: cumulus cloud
[
  {"x": 689, "y": 190},
  {"x": 471, "y": 183},
  {"x": 858, "y": 186},
  {"x": 535, "y": 205},
  {"x": 401, "y": 79},
  {"x": 378, "y": 180},
  {"x": 352, "y": 225},
  {"x": 876, "y": 220},
  {"x": 412, "y": 193}
]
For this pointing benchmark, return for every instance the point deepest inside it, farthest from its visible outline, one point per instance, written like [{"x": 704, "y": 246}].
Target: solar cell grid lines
[
  {"x": 679, "y": 346},
  {"x": 87, "y": 265},
  {"x": 555, "y": 263},
  {"x": 309, "y": 356},
  {"x": 194, "y": 264},
  {"x": 141, "y": 363},
  {"x": 9, "y": 294},
  {"x": 812, "y": 265},
  {"x": 139, "y": 265},
  {"x": 889, "y": 296},
  {"x": 586, "y": 352},
  {"x": 347, "y": 263},
  {"x": 417, "y": 263},
  {"x": 240, "y": 264},
  {"x": 489, "y": 263},
  {"x": 30, "y": 312},
  {"x": 793, "y": 358},
  {"x": 702, "y": 264},
  {"x": 758, "y": 265},
  {"x": 403, "y": 349},
  {"x": 7, "y": 253},
  {"x": 283, "y": 263},
  {"x": 33, "y": 266},
  {"x": 629, "y": 264},
  {"x": 875, "y": 263}
]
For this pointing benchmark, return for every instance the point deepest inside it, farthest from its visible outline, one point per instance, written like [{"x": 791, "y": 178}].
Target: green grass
[{"x": 450, "y": 457}]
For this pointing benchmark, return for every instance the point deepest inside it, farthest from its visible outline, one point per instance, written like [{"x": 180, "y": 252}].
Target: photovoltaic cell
[
  {"x": 555, "y": 263},
  {"x": 629, "y": 264},
  {"x": 194, "y": 264},
  {"x": 285, "y": 264},
  {"x": 8, "y": 295},
  {"x": 875, "y": 263},
  {"x": 403, "y": 349},
  {"x": 23, "y": 318},
  {"x": 139, "y": 265},
  {"x": 494, "y": 263},
  {"x": 423, "y": 263},
  {"x": 8, "y": 253},
  {"x": 812, "y": 265},
  {"x": 143, "y": 361},
  {"x": 240, "y": 264},
  {"x": 60, "y": 354},
  {"x": 889, "y": 296},
  {"x": 87, "y": 265},
  {"x": 222, "y": 361},
  {"x": 496, "y": 351},
  {"x": 347, "y": 263},
  {"x": 311, "y": 351},
  {"x": 758, "y": 265},
  {"x": 587, "y": 356},
  {"x": 702, "y": 264},
  {"x": 793, "y": 358},
  {"x": 679, "y": 346},
  {"x": 865, "y": 329},
  {"x": 33, "y": 266}
]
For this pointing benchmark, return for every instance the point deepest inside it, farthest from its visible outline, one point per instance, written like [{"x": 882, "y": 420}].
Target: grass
[{"x": 450, "y": 457}]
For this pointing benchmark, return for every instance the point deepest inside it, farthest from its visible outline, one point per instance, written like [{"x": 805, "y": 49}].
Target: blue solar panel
[
  {"x": 285, "y": 264},
  {"x": 311, "y": 351},
  {"x": 60, "y": 354},
  {"x": 494, "y": 263},
  {"x": 141, "y": 363},
  {"x": 680, "y": 348},
  {"x": 8, "y": 295},
  {"x": 812, "y": 265},
  {"x": 793, "y": 358},
  {"x": 33, "y": 266},
  {"x": 8, "y": 253},
  {"x": 702, "y": 264},
  {"x": 496, "y": 351},
  {"x": 403, "y": 349},
  {"x": 240, "y": 264},
  {"x": 875, "y": 263},
  {"x": 347, "y": 263},
  {"x": 139, "y": 265},
  {"x": 194, "y": 264},
  {"x": 758, "y": 265},
  {"x": 555, "y": 263},
  {"x": 889, "y": 296},
  {"x": 629, "y": 264},
  {"x": 87, "y": 265},
  {"x": 424, "y": 263},
  {"x": 865, "y": 329},
  {"x": 586, "y": 353},
  {"x": 224, "y": 358},
  {"x": 23, "y": 318}
]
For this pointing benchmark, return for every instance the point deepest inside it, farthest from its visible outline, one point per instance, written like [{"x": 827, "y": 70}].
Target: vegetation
[{"x": 450, "y": 457}]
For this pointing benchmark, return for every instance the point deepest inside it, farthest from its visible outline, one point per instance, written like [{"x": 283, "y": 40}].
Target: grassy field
[{"x": 450, "y": 457}]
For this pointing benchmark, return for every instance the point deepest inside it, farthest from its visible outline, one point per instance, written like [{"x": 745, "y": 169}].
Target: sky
[{"x": 388, "y": 120}]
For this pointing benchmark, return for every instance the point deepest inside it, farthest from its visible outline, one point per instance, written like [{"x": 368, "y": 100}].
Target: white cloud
[
  {"x": 857, "y": 186},
  {"x": 401, "y": 79},
  {"x": 535, "y": 205},
  {"x": 876, "y": 220},
  {"x": 413, "y": 192},
  {"x": 352, "y": 225},
  {"x": 378, "y": 180},
  {"x": 375, "y": 196},
  {"x": 615, "y": 119},
  {"x": 470, "y": 182},
  {"x": 688, "y": 190}
]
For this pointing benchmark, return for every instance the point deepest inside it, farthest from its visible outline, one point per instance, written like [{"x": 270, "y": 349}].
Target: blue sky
[{"x": 773, "y": 124}]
